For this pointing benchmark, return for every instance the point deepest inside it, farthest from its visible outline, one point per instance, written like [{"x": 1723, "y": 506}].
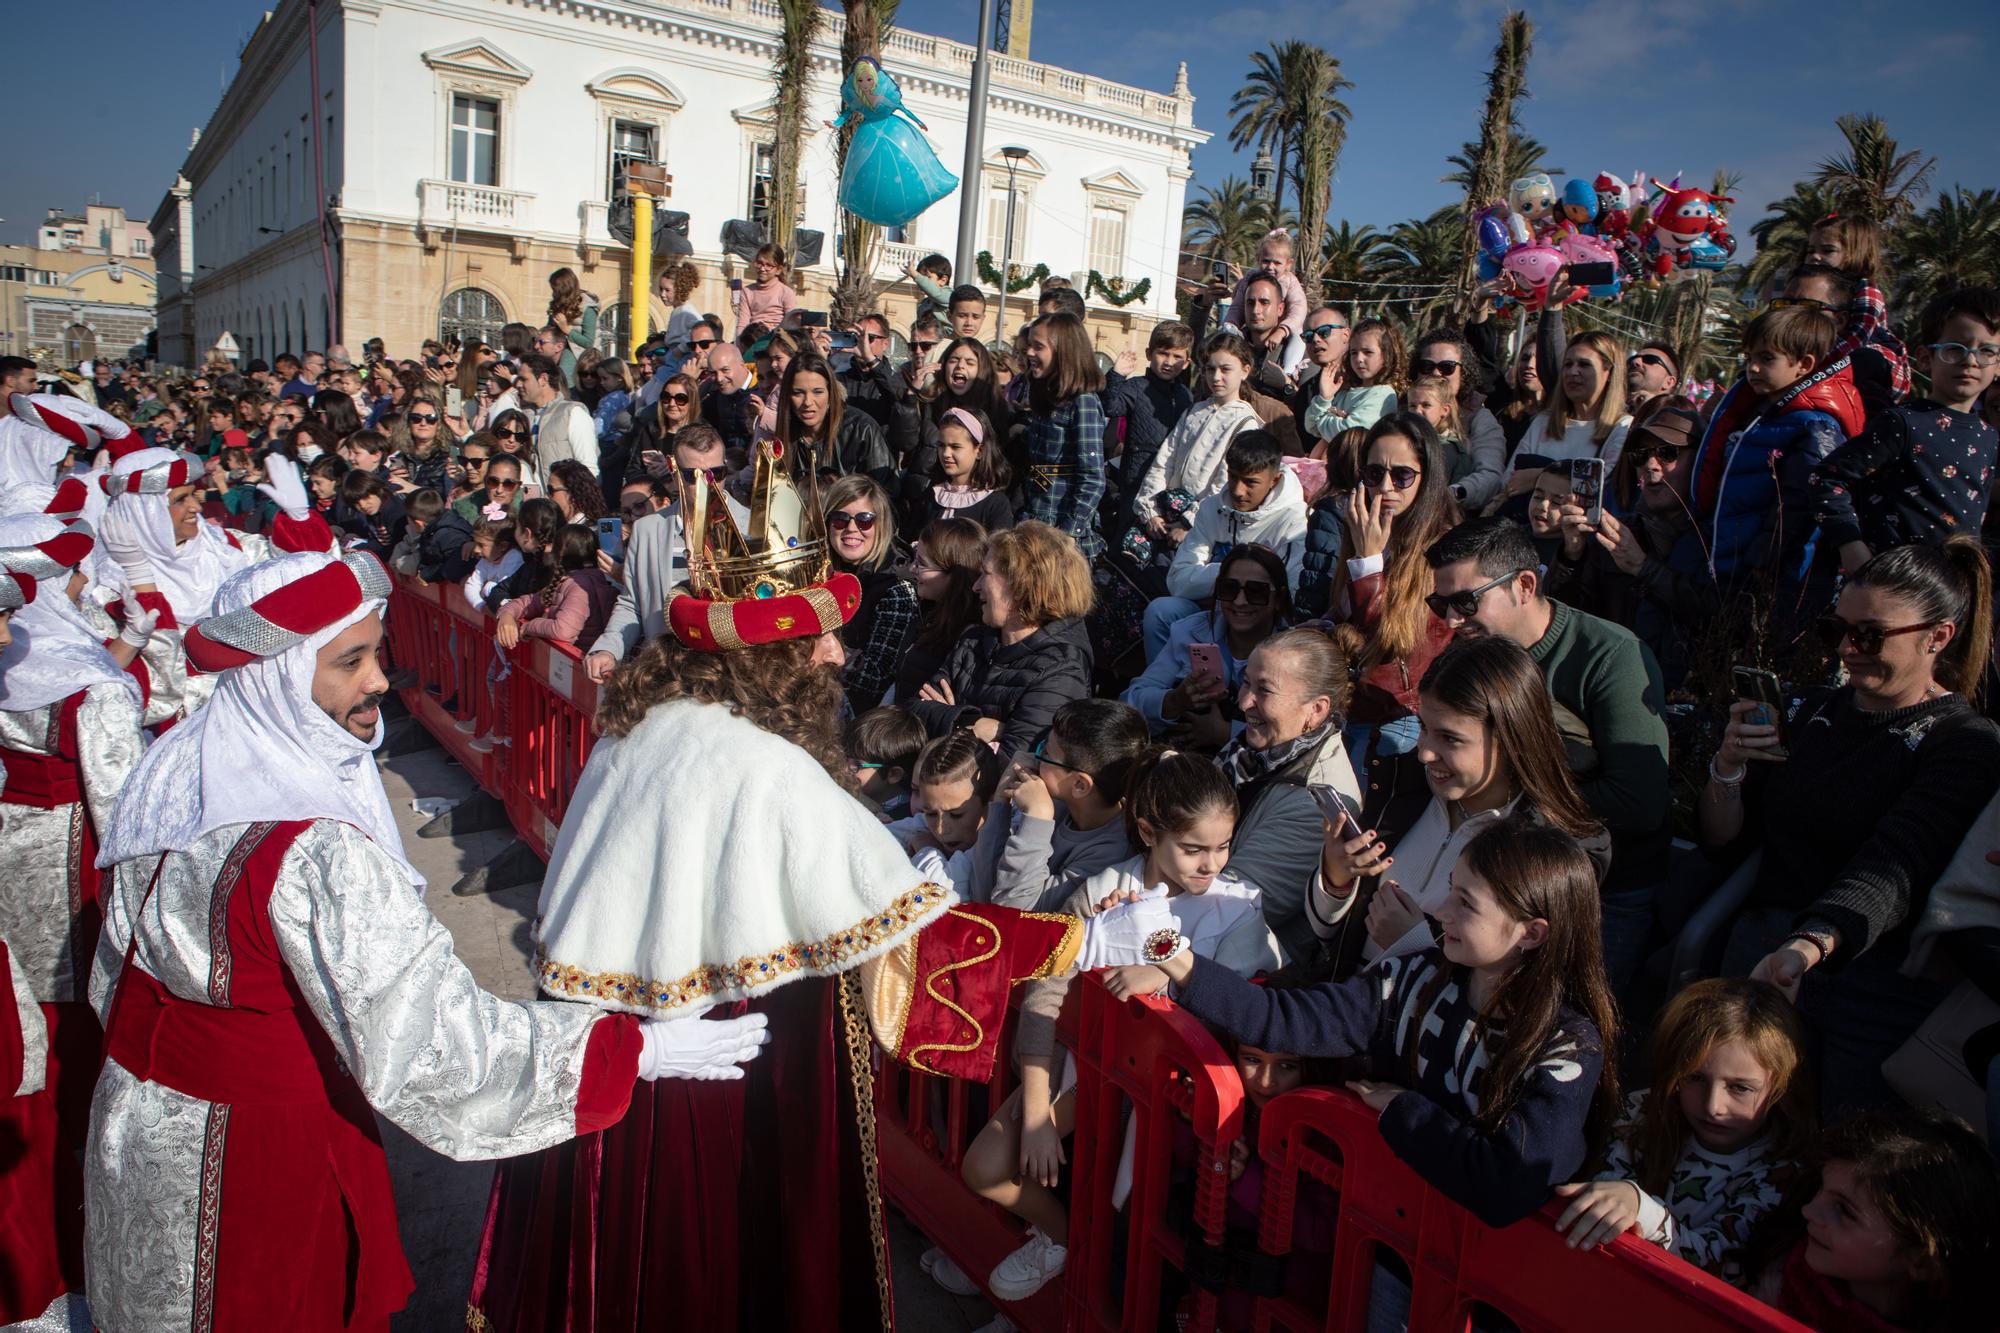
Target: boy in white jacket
[{"x": 1263, "y": 503}]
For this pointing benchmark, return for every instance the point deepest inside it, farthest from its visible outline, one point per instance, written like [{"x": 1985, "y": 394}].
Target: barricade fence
[{"x": 1159, "y": 1110}]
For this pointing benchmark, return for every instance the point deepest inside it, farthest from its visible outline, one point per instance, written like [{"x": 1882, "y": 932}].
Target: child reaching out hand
[{"x": 1711, "y": 1147}]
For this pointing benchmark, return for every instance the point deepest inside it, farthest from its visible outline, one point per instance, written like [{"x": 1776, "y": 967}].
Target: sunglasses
[
  {"x": 1465, "y": 604},
  {"x": 690, "y": 475},
  {"x": 923, "y": 349},
  {"x": 1401, "y": 477},
  {"x": 1797, "y": 302},
  {"x": 680, "y": 398},
  {"x": 701, "y": 346},
  {"x": 1324, "y": 331},
  {"x": 1867, "y": 639},
  {"x": 510, "y": 432},
  {"x": 1421, "y": 366},
  {"x": 503, "y": 484},
  {"x": 1653, "y": 359},
  {"x": 423, "y": 419},
  {"x": 840, "y": 520},
  {"x": 1256, "y": 592},
  {"x": 474, "y": 460},
  {"x": 632, "y": 513},
  {"x": 1668, "y": 454}
]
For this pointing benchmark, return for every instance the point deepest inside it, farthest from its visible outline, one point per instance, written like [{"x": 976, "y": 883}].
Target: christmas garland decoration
[
  {"x": 990, "y": 274},
  {"x": 1113, "y": 289}
]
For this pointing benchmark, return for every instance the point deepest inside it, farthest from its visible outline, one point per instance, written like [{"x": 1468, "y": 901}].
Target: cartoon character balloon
[
  {"x": 1583, "y": 248},
  {"x": 1529, "y": 268},
  {"x": 1579, "y": 206},
  {"x": 891, "y": 173},
  {"x": 1682, "y": 217},
  {"x": 1533, "y": 198}
]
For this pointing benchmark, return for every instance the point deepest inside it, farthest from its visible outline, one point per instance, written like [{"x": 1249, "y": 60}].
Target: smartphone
[
  {"x": 1761, "y": 687},
  {"x": 650, "y": 459},
  {"x": 1599, "y": 274},
  {"x": 611, "y": 537},
  {"x": 1205, "y": 661},
  {"x": 454, "y": 402},
  {"x": 812, "y": 319},
  {"x": 1332, "y": 805},
  {"x": 1219, "y": 271},
  {"x": 1586, "y": 482}
]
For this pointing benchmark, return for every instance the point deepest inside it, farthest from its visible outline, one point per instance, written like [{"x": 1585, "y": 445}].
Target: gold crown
[{"x": 783, "y": 550}]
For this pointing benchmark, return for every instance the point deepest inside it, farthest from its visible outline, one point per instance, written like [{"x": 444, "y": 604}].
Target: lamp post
[
  {"x": 970, "y": 192},
  {"x": 1013, "y": 154}
]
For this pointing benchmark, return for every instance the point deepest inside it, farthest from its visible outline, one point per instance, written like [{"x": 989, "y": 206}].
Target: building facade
[
  {"x": 450, "y": 154},
  {"x": 84, "y": 290}
]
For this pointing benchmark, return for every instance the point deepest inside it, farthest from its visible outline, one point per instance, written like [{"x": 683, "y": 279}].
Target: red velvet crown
[{"x": 715, "y": 625}]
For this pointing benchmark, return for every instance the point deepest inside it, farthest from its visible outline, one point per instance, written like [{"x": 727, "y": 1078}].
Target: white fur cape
[{"x": 704, "y": 860}]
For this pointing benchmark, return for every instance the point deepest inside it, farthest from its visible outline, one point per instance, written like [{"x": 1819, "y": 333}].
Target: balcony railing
[{"x": 474, "y": 207}]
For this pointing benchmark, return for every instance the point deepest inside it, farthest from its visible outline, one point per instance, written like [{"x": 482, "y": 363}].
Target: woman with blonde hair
[
  {"x": 861, "y": 534},
  {"x": 1031, "y": 654},
  {"x": 1585, "y": 416}
]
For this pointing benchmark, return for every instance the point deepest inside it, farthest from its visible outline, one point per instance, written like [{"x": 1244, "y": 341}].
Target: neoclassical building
[{"x": 450, "y": 154}]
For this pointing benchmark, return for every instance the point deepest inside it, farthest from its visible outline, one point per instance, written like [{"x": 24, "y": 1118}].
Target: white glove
[
  {"x": 1117, "y": 938},
  {"x": 699, "y": 1047},
  {"x": 120, "y": 536},
  {"x": 286, "y": 488},
  {"x": 139, "y": 621}
]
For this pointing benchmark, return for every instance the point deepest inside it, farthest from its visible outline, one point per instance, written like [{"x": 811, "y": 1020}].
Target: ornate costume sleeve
[
  {"x": 24, "y": 1034},
  {"x": 109, "y": 742},
  {"x": 467, "y": 1074}
]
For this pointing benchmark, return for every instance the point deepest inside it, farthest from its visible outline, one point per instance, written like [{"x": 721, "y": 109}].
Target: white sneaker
[
  {"x": 1028, "y": 1269},
  {"x": 481, "y": 744},
  {"x": 465, "y": 727},
  {"x": 1000, "y": 1324},
  {"x": 946, "y": 1273}
]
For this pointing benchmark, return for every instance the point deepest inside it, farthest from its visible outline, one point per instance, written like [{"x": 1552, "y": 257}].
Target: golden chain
[{"x": 860, "y": 1067}]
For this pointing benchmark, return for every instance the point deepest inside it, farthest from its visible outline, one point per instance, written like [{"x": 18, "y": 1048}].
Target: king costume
[
  {"x": 708, "y": 865},
  {"x": 270, "y": 980}
]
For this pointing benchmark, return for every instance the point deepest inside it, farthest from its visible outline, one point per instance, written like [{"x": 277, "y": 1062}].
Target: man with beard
[
  {"x": 270, "y": 980},
  {"x": 715, "y": 859}
]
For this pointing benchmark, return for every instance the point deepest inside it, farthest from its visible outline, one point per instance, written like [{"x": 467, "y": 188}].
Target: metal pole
[
  {"x": 1006, "y": 255},
  {"x": 970, "y": 196},
  {"x": 642, "y": 272}
]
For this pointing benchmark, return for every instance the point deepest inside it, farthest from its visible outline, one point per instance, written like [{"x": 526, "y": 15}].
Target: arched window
[
  {"x": 79, "y": 344},
  {"x": 471, "y": 313},
  {"x": 614, "y": 325}
]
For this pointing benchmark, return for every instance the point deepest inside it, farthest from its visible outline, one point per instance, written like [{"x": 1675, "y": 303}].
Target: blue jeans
[
  {"x": 1365, "y": 739},
  {"x": 1158, "y": 621},
  {"x": 1626, "y": 919}
]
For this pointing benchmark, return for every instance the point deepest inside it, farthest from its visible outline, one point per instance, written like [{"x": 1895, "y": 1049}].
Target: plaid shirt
[
  {"x": 1065, "y": 481},
  {"x": 875, "y": 663},
  {"x": 1868, "y": 326}
]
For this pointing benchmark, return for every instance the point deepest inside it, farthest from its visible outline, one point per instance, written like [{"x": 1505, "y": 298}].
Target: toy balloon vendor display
[{"x": 891, "y": 174}]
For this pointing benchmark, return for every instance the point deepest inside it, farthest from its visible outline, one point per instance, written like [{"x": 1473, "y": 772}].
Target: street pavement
[{"x": 441, "y": 1204}]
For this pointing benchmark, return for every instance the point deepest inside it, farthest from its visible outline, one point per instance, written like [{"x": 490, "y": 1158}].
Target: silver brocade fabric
[
  {"x": 469, "y": 1075},
  {"x": 39, "y": 848}
]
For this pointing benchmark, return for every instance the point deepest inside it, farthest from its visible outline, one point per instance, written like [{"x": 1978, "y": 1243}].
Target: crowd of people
[{"x": 1429, "y": 686}]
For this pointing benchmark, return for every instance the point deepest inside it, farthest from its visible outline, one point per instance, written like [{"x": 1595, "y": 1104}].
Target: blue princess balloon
[{"x": 891, "y": 173}]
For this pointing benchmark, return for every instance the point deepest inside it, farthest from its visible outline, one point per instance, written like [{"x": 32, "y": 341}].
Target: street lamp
[{"x": 1013, "y": 154}]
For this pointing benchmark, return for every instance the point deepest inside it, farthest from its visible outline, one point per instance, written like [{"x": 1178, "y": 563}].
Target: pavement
[{"x": 441, "y": 1204}]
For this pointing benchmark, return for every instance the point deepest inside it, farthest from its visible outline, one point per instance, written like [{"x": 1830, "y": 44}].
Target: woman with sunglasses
[
  {"x": 944, "y": 565},
  {"x": 1858, "y": 799},
  {"x": 654, "y": 428},
  {"x": 1381, "y": 580},
  {"x": 1445, "y": 354},
  {"x": 861, "y": 533},
  {"x": 1642, "y": 566},
  {"x": 514, "y": 436},
  {"x": 1252, "y": 602},
  {"x": 420, "y": 447}
]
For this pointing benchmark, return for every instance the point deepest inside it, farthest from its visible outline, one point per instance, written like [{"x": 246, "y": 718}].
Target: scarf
[{"x": 1243, "y": 763}]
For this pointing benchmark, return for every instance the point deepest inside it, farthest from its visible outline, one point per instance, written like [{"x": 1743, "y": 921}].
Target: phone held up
[
  {"x": 1761, "y": 688},
  {"x": 1205, "y": 660},
  {"x": 1334, "y": 808},
  {"x": 1586, "y": 482},
  {"x": 611, "y": 537},
  {"x": 812, "y": 319}
]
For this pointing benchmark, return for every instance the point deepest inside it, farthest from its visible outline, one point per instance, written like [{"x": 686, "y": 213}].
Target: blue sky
[{"x": 1617, "y": 84}]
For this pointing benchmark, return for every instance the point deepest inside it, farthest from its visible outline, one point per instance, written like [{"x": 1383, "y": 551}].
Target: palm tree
[
  {"x": 1422, "y": 255},
  {"x": 1954, "y": 243},
  {"x": 1322, "y": 131},
  {"x": 1226, "y": 221},
  {"x": 1876, "y": 180},
  {"x": 1484, "y": 165},
  {"x": 802, "y": 20},
  {"x": 1781, "y": 233},
  {"x": 1350, "y": 254},
  {"x": 1262, "y": 111},
  {"x": 1525, "y": 156},
  {"x": 858, "y": 290}
]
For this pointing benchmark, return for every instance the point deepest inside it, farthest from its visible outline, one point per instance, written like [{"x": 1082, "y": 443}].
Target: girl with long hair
[
  {"x": 1062, "y": 448},
  {"x": 420, "y": 448},
  {"x": 812, "y": 418},
  {"x": 1585, "y": 416},
  {"x": 945, "y": 563},
  {"x": 961, "y": 376},
  {"x": 861, "y": 533},
  {"x": 968, "y": 474},
  {"x": 574, "y": 489},
  {"x": 514, "y": 436}
]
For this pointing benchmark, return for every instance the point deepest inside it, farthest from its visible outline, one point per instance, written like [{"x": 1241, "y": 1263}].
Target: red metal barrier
[{"x": 1146, "y": 1059}]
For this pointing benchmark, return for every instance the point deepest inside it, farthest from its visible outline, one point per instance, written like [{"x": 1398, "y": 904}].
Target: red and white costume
[
  {"x": 181, "y": 577},
  {"x": 40, "y": 429},
  {"x": 270, "y": 980},
  {"x": 69, "y": 737}
]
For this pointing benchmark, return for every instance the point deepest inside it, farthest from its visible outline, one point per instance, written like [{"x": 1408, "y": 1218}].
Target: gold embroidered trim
[
  {"x": 476, "y": 1321},
  {"x": 930, "y": 988},
  {"x": 746, "y": 975},
  {"x": 1064, "y": 954}
]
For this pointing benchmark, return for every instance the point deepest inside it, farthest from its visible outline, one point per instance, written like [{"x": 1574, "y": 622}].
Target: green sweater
[{"x": 1608, "y": 678}]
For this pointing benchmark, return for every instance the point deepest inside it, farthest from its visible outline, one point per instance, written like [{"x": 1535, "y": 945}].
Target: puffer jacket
[
  {"x": 1325, "y": 536},
  {"x": 1020, "y": 685},
  {"x": 1752, "y": 474},
  {"x": 1191, "y": 458}
]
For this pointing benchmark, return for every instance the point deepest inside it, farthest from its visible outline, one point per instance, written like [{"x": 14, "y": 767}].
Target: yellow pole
[{"x": 642, "y": 271}]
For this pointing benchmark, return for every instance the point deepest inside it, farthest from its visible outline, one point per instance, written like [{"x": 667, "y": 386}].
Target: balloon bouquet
[{"x": 1603, "y": 229}]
